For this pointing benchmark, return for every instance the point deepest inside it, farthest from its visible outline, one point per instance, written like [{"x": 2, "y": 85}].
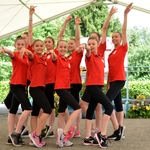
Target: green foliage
[
  {"x": 139, "y": 54},
  {"x": 93, "y": 20},
  {"x": 4, "y": 90},
  {"x": 5, "y": 71}
]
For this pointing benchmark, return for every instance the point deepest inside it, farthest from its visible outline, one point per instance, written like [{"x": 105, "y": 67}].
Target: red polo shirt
[
  {"x": 101, "y": 49},
  {"x": 38, "y": 71},
  {"x": 19, "y": 72},
  {"x": 51, "y": 70},
  {"x": 116, "y": 63},
  {"x": 75, "y": 60},
  {"x": 95, "y": 70},
  {"x": 62, "y": 73}
]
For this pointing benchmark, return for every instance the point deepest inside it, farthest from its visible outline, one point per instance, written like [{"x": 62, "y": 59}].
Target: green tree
[
  {"x": 139, "y": 53},
  {"x": 92, "y": 18}
]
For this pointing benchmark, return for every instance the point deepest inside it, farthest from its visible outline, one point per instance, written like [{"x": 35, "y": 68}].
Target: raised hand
[
  {"x": 68, "y": 18},
  {"x": 113, "y": 10},
  {"x": 32, "y": 10},
  {"x": 22, "y": 51},
  {"x": 128, "y": 8},
  {"x": 78, "y": 20}
]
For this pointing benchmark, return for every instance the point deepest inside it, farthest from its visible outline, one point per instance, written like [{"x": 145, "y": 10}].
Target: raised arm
[
  {"x": 30, "y": 27},
  {"x": 77, "y": 32},
  {"x": 61, "y": 33},
  {"x": 106, "y": 23},
  {"x": 124, "y": 27},
  {"x": 7, "y": 51}
]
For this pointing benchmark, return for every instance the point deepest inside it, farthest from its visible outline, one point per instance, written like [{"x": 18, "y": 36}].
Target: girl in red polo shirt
[
  {"x": 75, "y": 77},
  {"x": 86, "y": 96},
  {"x": 50, "y": 82},
  {"x": 116, "y": 75},
  {"x": 28, "y": 38},
  {"x": 37, "y": 91},
  {"x": 94, "y": 83},
  {"x": 62, "y": 86},
  {"x": 18, "y": 83}
]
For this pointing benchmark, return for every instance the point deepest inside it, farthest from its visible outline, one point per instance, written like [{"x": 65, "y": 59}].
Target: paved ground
[{"x": 137, "y": 135}]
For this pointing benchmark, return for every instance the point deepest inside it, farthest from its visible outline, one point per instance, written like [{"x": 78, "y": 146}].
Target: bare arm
[
  {"x": 54, "y": 56},
  {"x": 124, "y": 27},
  {"x": 61, "y": 33},
  {"x": 9, "y": 52},
  {"x": 106, "y": 23},
  {"x": 30, "y": 27},
  {"x": 77, "y": 32},
  {"x": 29, "y": 53}
]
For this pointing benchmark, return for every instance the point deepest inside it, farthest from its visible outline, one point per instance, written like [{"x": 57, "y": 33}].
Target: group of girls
[{"x": 52, "y": 71}]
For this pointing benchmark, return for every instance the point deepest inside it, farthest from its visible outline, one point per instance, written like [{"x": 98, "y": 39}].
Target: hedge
[{"x": 135, "y": 88}]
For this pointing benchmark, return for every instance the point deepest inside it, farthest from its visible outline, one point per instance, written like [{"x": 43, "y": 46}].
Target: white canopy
[{"x": 14, "y": 13}]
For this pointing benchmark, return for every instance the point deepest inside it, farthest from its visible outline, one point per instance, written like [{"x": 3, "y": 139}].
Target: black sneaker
[
  {"x": 119, "y": 133},
  {"x": 50, "y": 134},
  {"x": 15, "y": 139},
  {"x": 101, "y": 140},
  {"x": 24, "y": 132},
  {"x": 90, "y": 141},
  {"x": 112, "y": 137},
  {"x": 45, "y": 132},
  {"x": 9, "y": 142}
]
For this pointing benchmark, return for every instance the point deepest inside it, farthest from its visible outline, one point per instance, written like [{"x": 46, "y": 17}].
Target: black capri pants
[
  {"x": 114, "y": 93},
  {"x": 49, "y": 92},
  {"x": 19, "y": 97},
  {"x": 75, "y": 91},
  {"x": 66, "y": 98},
  {"x": 86, "y": 96},
  {"x": 39, "y": 101},
  {"x": 97, "y": 96}
]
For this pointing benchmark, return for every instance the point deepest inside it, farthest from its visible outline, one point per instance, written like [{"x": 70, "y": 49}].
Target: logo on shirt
[
  {"x": 70, "y": 57},
  {"x": 49, "y": 56}
]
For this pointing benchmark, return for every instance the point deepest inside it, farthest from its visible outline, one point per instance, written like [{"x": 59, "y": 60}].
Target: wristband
[{"x": 30, "y": 19}]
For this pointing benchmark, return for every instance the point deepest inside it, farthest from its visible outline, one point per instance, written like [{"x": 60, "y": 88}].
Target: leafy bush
[
  {"x": 4, "y": 90},
  {"x": 140, "y": 108}
]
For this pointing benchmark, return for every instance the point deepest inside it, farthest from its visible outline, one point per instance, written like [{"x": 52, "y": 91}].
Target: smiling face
[
  {"x": 62, "y": 47},
  {"x": 49, "y": 43},
  {"x": 38, "y": 47},
  {"x": 116, "y": 38}
]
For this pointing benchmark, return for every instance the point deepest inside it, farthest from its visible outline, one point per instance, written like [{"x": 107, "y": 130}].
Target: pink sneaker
[
  {"x": 66, "y": 142},
  {"x": 32, "y": 144},
  {"x": 71, "y": 132},
  {"x": 35, "y": 139},
  {"x": 77, "y": 134}
]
